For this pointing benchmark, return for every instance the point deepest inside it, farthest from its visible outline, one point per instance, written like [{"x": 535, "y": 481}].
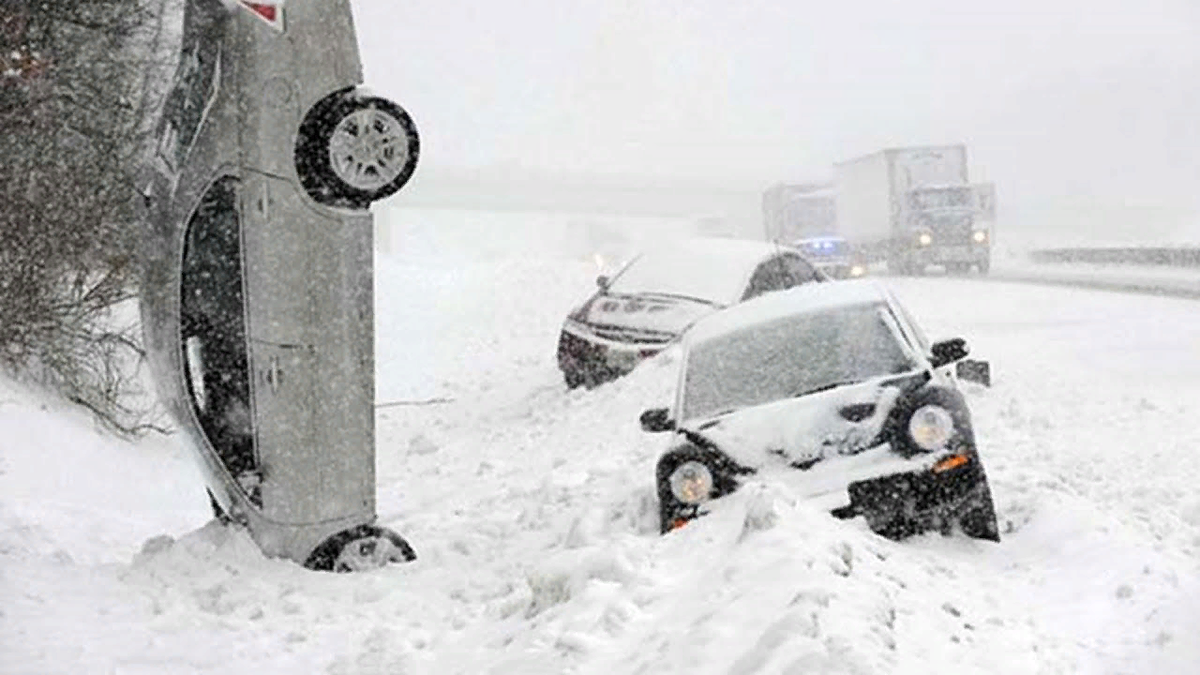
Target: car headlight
[
  {"x": 691, "y": 482},
  {"x": 925, "y": 239},
  {"x": 931, "y": 427},
  {"x": 980, "y": 236}
]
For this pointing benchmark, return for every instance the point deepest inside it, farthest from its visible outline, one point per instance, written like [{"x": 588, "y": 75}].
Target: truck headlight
[
  {"x": 931, "y": 427},
  {"x": 980, "y": 236},
  {"x": 925, "y": 239},
  {"x": 691, "y": 482},
  {"x": 857, "y": 270}
]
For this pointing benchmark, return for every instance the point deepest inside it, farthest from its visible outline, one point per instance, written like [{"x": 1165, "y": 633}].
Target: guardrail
[{"x": 1179, "y": 256}]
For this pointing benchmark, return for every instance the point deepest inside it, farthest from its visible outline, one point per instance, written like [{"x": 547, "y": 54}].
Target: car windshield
[
  {"x": 791, "y": 356},
  {"x": 707, "y": 275}
]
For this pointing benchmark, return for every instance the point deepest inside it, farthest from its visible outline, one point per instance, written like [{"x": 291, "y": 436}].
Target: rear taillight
[{"x": 270, "y": 11}]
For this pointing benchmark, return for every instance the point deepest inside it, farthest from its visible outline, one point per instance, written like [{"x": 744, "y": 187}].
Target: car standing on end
[
  {"x": 257, "y": 297},
  {"x": 835, "y": 389},
  {"x": 657, "y": 295}
]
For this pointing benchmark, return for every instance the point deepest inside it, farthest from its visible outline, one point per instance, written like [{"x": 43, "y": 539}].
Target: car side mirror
[
  {"x": 948, "y": 351},
  {"x": 602, "y": 282},
  {"x": 657, "y": 420},
  {"x": 972, "y": 370}
]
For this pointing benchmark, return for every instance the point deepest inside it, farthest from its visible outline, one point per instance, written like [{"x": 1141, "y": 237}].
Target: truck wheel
[
  {"x": 363, "y": 548},
  {"x": 352, "y": 150},
  {"x": 984, "y": 266}
]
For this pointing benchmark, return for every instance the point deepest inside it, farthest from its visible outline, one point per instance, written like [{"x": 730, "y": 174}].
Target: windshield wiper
[
  {"x": 715, "y": 418},
  {"x": 680, "y": 296},
  {"x": 826, "y": 387}
]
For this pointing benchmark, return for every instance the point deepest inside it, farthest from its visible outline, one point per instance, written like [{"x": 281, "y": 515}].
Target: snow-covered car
[
  {"x": 257, "y": 296},
  {"x": 831, "y": 255},
  {"x": 834, "y": 389},
  {"x": 654, "y": 298}
]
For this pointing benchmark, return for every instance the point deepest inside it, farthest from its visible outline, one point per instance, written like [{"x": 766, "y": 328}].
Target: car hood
[
  {"x": 804, "y": 431},
  {"x": 646, "y": 312}
]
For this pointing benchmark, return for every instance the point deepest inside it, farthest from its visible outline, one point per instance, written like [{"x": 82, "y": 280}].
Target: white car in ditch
[{"x": 834, "y": 388}]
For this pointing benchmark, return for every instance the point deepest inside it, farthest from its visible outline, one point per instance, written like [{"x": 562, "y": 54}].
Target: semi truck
[
  {"x": 794, "y": 211},
  {"x": 912, "y": 207}
]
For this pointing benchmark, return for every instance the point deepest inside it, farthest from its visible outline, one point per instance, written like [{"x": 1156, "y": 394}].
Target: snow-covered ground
[
  {"x": 1145, "y": 279},
  {"x": 532, "y": 511}
]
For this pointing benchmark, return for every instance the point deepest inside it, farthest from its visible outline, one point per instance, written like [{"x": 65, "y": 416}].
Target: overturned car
[{"x": 836, "y": 387}]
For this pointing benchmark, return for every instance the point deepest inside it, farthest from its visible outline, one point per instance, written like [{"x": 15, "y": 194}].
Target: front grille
[
  {"x": 953, "y": 230},
  {"x": 574, "y": 348},
  {"x": 633, "y": 336}
]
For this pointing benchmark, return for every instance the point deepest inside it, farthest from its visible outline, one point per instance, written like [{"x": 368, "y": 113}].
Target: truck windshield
[{"x": 940, "y": 198}]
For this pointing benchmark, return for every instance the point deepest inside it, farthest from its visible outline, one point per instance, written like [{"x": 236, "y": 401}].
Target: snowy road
[{"x": 532, "y": 512}]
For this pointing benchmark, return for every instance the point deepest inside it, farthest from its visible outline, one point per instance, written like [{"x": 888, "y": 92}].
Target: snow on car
[
  {"x": 836, "y": 385},
  {"x": 660, "y": 293}
]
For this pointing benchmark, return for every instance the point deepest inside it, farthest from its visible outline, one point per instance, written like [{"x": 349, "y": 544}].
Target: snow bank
[{"x": 532, "y": 511}]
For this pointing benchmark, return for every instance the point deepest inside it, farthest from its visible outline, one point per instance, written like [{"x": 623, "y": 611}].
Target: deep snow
[{"x": 532, "y": 511}]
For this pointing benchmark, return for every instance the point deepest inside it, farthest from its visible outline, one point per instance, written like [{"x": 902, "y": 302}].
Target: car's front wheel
[{"x": 353, "y": 149}]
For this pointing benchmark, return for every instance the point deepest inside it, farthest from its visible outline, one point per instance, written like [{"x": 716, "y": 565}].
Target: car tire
[
  {"x": 359, "y": 549},
  {"x": 352, "y": 149}
]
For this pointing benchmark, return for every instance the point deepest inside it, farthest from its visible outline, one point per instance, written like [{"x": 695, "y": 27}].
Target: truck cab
[{"x": 942, "y": 223}]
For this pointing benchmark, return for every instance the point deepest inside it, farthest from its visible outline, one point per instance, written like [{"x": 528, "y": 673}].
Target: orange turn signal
[
  {"x": 951, "y": 462},
  {"x": 678, "y": 523}
]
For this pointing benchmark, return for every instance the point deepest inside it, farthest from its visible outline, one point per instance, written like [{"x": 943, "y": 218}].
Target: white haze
[{"x": 1082, "y": 111}]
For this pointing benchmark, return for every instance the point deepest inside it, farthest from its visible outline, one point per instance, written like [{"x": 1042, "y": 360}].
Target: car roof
[{"x": 796, "y": 300}]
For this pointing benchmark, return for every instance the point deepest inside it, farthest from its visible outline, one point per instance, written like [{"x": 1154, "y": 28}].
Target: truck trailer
[
  {"x": 793, "y": 211},
  {"x": 912, "y": 207}
]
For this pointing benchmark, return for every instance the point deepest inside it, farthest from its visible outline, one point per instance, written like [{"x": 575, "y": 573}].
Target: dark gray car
[{"x": 257, "y": 299}]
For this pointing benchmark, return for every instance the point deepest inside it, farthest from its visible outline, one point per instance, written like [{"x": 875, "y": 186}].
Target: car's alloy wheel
[
  {"x": 352, "y": 149},
  {"x": 368, "y": 149},
  {"x": 368, "y": 553}
]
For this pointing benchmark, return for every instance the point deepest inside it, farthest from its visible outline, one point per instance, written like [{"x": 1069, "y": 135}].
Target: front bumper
[
  {"x": 895, "y": 505},
  {"x": 904, "y": 504},
  {"x": 589, "y": 359},
  {"x": 940, "y": 254},
  {"x": 842, "y": 269}
]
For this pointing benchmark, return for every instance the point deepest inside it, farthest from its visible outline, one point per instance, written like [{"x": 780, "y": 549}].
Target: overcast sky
[{"x": 1088, "y": 99}]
